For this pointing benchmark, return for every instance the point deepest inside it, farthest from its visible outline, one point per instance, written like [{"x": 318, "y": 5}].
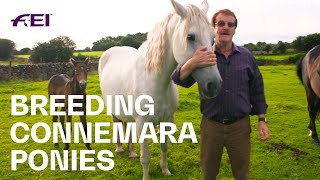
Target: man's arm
[{"x": 201, "y": 58}]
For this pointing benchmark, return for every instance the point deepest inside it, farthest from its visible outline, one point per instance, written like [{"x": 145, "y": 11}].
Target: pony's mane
[{"x": 158, "y": 37}]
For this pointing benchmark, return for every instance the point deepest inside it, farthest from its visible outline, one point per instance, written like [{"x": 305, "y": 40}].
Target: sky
[{"x": 86, "y": 21}]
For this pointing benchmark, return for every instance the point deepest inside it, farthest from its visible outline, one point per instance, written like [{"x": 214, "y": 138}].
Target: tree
[
  {"x": 87, "y": 49},
  {"x": 40, "y": 53},
  {"x": 6, "y": 48},
  {"x": 133, "y": 40},
  {"x": 25, "y": 51},
  {"x": 310, "y": 41},
  {"x": 129, "y": 41},
  {"x": 305, "y": 43},
  {"x": 260, "y": 45},
  {"x": 280, "y": 48},
  {"x": 267, "y": 48},
  {"x": 65, "y": 41},
  {"x": 59, "y": 49},
  {"x": 297, "y": 43},
  {"x": 103, "y": 44},
  {"x": 251, "y": 47}
]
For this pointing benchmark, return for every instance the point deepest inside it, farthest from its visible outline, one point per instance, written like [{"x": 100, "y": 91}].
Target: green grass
[
  {"x": 23, "y": 56},
  {"x": 288, "y": 154},
  {"x": 92, "y": 54},
  {"x": 278, "y": 57},
  {"x": 97, "y": 55}
]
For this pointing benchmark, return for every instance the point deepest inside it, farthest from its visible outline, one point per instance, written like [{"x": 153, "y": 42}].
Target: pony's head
[
  {"x": 80, "y": 71},
  {"x": 178, "y": 36}
]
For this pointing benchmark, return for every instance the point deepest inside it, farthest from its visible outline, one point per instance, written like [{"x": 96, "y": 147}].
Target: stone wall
[{"x": 38, "y": 72}]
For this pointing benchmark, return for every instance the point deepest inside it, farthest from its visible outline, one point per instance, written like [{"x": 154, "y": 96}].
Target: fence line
[{"x": 37, "y": 72}]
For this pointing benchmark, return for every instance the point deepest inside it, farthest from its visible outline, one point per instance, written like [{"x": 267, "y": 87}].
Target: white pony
[{"x": 147, "y": 71}]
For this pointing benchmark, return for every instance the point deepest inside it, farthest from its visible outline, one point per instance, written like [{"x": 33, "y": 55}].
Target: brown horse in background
[
  {"x": 61, "y": 84},
  {"x": 308, "y": 70}
]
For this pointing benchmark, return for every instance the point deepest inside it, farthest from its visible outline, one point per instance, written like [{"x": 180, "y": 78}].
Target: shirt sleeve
[
  {"x": 257, "y": 97},
  {"x": 187, "y": 82}
]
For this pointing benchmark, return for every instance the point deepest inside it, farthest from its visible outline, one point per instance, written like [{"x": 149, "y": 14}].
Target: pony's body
[
  {"x": 57, "y": 84},
  {"x": 147, "y": 71},
  {"x": 61, "y": 84},
  {"x": 138, "y": 82},
  {"x": 308, "y": 69}
]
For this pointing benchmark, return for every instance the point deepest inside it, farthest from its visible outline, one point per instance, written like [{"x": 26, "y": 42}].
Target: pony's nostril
[
  {"x": 210, "y": 86},
  {"x": 83, "y": 85}
]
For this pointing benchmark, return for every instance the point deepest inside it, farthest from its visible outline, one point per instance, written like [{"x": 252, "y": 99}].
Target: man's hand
[
  {"x": 263, "y": 130},
  {"x": 201, "y": 58}
]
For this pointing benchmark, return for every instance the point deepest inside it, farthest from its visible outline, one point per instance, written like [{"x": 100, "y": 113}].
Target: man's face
[{"x": 224, "y": 28}]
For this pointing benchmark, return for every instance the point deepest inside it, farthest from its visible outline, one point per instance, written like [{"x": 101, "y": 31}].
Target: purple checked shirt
[{"x": 242, "y": 90}]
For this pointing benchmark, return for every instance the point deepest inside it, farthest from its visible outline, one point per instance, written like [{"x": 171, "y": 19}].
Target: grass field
[
  {"x": 97, "y": 55},
  {"x": 288, "y": 154},
  {"x": 92, "y": 54},
  {"x": 278, "y": 57}
]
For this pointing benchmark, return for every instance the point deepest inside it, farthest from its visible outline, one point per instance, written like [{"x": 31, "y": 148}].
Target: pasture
[
  {"x": 288, "y": 154},
  {"x": 279, "y": 57}
]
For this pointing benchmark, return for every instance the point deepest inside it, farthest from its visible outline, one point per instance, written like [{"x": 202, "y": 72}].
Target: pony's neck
[
  {"x": 75, "y": 87},
  {"x": 165, "y": 74}
]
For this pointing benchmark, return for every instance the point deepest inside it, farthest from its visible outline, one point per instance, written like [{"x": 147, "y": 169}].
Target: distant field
[
  {"x": 23, "y": 56},
  {"x": 278, "y": 57},
  {"x": 92, "y": 54},
  {"x": 97, "y": 54},
  {"x": 288, "y": 154}
]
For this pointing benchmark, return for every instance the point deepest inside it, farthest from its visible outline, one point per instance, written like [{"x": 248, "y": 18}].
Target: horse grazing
[
  {"x": 308, "y": 70},
  {"x": 61, "y": 84},
  {"x": 147, "y": 71}
]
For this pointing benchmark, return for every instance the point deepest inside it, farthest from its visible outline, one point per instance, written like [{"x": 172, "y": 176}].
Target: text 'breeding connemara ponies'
[
  {"x": 61, "y": 84},
  {"x": 308, "y": 70},
  {"x": 147, "y": 71}
]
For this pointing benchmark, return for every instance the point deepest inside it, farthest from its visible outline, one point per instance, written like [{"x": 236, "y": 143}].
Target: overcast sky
[{"x": 87, "y": 21}]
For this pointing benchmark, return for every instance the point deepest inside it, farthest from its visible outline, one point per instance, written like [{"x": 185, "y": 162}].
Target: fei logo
[{"x": 36, "y": 20}]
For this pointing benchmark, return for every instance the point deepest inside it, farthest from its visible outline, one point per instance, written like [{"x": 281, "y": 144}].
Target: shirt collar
[{"x": 235, "y": 49}]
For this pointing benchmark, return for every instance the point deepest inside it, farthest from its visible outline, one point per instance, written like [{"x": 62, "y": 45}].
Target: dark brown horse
[
  {"x": 308, "y": 70},
  {"x": 61, "y": 84}
]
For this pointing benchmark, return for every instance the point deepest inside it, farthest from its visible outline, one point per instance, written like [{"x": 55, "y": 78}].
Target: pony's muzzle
[
  {"x": 212, "y": 89},
  {"x": 83, "y": 84}
]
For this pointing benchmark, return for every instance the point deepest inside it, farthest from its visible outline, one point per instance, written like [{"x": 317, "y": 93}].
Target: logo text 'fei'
[{"x": 32, "y": 20}]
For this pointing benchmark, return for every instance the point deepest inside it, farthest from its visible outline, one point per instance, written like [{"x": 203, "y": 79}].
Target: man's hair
[{"x": 225, "y": 12}]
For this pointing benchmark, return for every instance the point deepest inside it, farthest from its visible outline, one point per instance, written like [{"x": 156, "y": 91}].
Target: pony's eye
[{"x": 191, "y": 37}]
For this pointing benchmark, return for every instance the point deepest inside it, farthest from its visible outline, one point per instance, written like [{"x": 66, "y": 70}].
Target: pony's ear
[
  {"x": 204, "y": 6},
  {"x": 87, "y": 61},
  {"x": 180, "y": 10},
  {"x": 72, "y": 62}
]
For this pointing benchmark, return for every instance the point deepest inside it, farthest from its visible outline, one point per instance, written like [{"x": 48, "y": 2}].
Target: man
[{"x": 225, "y": 121}]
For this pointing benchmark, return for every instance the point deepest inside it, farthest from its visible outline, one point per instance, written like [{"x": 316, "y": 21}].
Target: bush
[
  {"x": 295, "y": 58},
  {"x": 59, "y": 49},
  {"x": 6, "y": 48}
]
